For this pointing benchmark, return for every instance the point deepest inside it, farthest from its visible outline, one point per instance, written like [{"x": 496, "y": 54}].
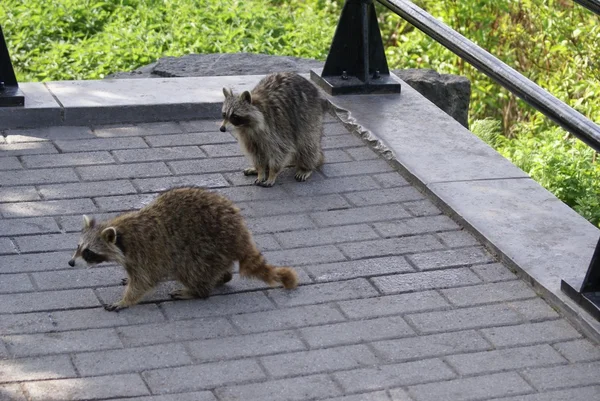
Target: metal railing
[{"x": 353, "y": 45}]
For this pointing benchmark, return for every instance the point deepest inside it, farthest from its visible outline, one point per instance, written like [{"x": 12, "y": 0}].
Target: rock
[{"x": 451, "y": 93}]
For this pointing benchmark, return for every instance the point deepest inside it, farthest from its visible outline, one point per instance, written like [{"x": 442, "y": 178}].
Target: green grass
[{"x": 555, "y": 43}]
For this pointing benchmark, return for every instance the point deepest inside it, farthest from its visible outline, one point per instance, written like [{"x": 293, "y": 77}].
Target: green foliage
[{"x": 555, "y": 43}]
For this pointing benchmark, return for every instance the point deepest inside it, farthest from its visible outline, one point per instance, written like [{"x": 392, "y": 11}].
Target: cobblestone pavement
[{"x": 396, "y": 302}]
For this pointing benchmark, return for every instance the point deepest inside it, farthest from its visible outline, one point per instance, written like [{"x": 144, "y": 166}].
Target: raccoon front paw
[
  {"x": 265, "y": 184},
  {"x": 250, "y": 171},
  {"x": 125, "y": 281},
  {"x": 302, "y": 175},
  {"x": 116, "y": 307}
]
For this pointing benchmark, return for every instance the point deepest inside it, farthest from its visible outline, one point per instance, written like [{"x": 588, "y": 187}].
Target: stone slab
[{"x": 41, "y": 109}]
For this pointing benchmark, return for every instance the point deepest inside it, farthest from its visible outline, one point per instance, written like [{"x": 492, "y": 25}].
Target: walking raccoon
[
  {"x": 188, "y": 234},
  {"x": 279, "y": 123}
]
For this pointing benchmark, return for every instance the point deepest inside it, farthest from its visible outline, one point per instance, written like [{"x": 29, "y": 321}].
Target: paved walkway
[{"x": 396, "y": 302}]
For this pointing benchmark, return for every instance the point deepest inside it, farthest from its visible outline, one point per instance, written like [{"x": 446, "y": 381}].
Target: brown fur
[{"x": 187, "y": 234}]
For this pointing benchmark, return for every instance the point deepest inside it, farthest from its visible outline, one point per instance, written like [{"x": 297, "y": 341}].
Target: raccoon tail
[{"x": 254, "y": 265}]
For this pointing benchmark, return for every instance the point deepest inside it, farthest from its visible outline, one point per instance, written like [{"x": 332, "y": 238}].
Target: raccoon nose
[
  {"x": 222, "y": 129},
  {"x": 72, "y": 262}
]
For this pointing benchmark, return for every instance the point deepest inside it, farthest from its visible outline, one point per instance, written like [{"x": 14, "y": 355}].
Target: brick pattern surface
[{"x": 397, "y": 301}]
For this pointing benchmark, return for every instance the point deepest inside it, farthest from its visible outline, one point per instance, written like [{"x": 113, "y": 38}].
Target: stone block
[
  {"x": 359, "y": 268},
  {"x": 35, "y": 225},
  {"x": 87, "y": 145},
  {"x": 393, "y": 305},
  {"x": 391, "y": 246},
  {"x": 37, "y": 177},
  {"x": 487, "y": 293},
  {"x": 194, "y": 180},
  {"x": 118, "y": 171},
  {"x": 356, "y": 168},
  {"x": 158, "y": 154},
  {"x": 321, "y": 293},
  {"x": 46, "y": 367},
  {"x": 420, "y": 225},
  {"x": 88, "y": 388},
  {"x": 359, "y": 215},
  {"x": 305, "y": 256},
  {"x": 321, "y": 236},
  {"x": 47, "y": 300},
  {"x": 451, "y": 258},
  {"x": 68, "y": 159}
]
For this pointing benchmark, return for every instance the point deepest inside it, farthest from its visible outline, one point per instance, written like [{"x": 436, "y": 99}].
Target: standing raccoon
[
  {"x": 188, "y": 234},
  {"x": 279, "y": 123}
]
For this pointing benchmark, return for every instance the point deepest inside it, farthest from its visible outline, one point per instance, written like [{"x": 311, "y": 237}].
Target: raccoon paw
[
  {"x": 184, "y": 293},
  {"x": 125, "y": 281},
  {"x": 250, "y": 171},
  {"x": 116, "y": 307},
  {"x": 302, "y": 175},
  {"x": 265, "y": 184}
]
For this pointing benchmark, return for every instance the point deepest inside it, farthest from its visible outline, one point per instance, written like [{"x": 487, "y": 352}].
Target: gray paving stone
[
  {"x": 36, "y": 225},
  {"x": 467, "y": 318},
  {"x": 356, "y": 168},
  {"x": 486, "y": 293},
  {"x": 210, "y": 165},
  {"x": 393, "y": 304},
  {"x": 579, "y": 350},
  {"x": 47, "y": 208},
  {"x": 131, "y": 360},
  {"x": 337, "y": 156},
  {"x": 362, "y": 153},
  {"x": 63, "y": 342},
  {"x": 386, "y": 376},
  {"x": 35, "y": 261},
  {"x": 391, "y": 246},
  {"x": 196, "y": 180},
  {"x": 18, "y": 194},
  {"x": 418, "y": 225},
  {"x": 356, "y": 332},
  {"x": 222, "y": 150},
  {"x": 221, "y": 305},
  {"x": 11, "y": 392},
  {"x": 271, "y": 224},
  {"x": 45, "y": 176},
  {"x": 223, "y": 348},
  {"x": 451, "y": 258},
  {"x": 390, "y": 180},
  {"x": 7, "y": 246},
  {"x": 585, "y": 393},
  {"x": 334, "y": 129},
  {"x": 158, "y": 154},
  {"x": 359, "y": 215},
  {"x": 47, "y": 367},
  {"x": 296, "y": 205},
  {"x": 177, "y": 331},
  {"x": 493, "y": 272},
  {"x": 48, "y": 133},
  {"x": 317, "y": 361},
  {"x": 414, "y": 348},
  {"x": 15, "y": 283},
  {"x": 505, "y": 359},
  {"x": 123, "y": 202},
  {"x": 294, "y": 389},
  {"x": 48, "y": 242},
  {"x": 98, "y": 317},
  {"x": 455, "y": 239},
  {"x": 575, "y": 375},
  {"x": 201, "y": 126},
  {"x": 79, "y": 278},
  {"x": 383, "y": 196},
  {"x": 88, "y": 388},
  {"x": 30, "y": 148},
  {"x": 3, "y": 355},
  {"x": 253, "y": 193},
  {"x": 195, "y": 396},
  {"x": 130, "y": 170},
  {"x": 331, "y": 235},
  {"x": 111, "y": 131},
  {"x": 48, "y": 300},
  {"x": 359, "y": 268},
  {"x": 305, "y": 256},
  {"x": 530, "y": 333},
  {"x": 10, "y": 163},
  {"x": 341, "y": 141},
  {"x": 172, "y": 380},
  {"x": 472, "y": 388},
  {"x": 68, "y": 159},
  {"x": 422, "y": 208},
  {"x": 325, "y": 292},
  {"x": 204, "y": 138},
  {"x": 266, "y": 242},
  {"x": 533, "y": 309},
  {"x": 87, "y": 189},
  {"x": 280, "y": 319},
  {"x": 375, "y": 396},
  {"x": 333, "y": 185},
  {"x": 87, "y": 145}
]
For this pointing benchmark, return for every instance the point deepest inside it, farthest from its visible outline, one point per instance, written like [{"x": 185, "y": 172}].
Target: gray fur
[{"x": 278, "y": 123}]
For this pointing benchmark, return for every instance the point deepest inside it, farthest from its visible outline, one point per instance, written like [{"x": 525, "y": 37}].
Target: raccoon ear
[
  {"x": 88, "y": 222},
  {"x": 227, "y": 92},
  {"x": 109, "y": 235},
  {"x": 246, "y": 96}
]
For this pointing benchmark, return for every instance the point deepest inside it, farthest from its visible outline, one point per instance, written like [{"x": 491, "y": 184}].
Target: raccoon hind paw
[
  {"x": 302, "y": 175},
  {"x": 125, "y": 281},
  {"x": 250, "y": 171},
  {"x": 116, "y": 307},
  {"x": 265, "y": 184}
]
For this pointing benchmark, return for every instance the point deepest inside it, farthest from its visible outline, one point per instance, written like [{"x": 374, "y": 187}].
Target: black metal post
[
  {"x": 588, "y": 294},
  {"x": 10, "y": 94},
  {"x": 356, "y": 62}
]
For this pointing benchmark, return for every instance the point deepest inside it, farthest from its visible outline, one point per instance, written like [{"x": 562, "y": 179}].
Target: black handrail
[
  {"x": 593, "y": 5},
  {"x": 546, "y": 103}
]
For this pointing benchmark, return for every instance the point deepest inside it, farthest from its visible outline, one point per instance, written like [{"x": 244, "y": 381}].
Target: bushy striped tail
[{"x": 255, "y": 266}]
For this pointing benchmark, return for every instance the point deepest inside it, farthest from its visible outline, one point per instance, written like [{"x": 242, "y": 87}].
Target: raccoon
[
  {"x": 188, "y": 234},
  {"x": 278, "y": 123}
]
